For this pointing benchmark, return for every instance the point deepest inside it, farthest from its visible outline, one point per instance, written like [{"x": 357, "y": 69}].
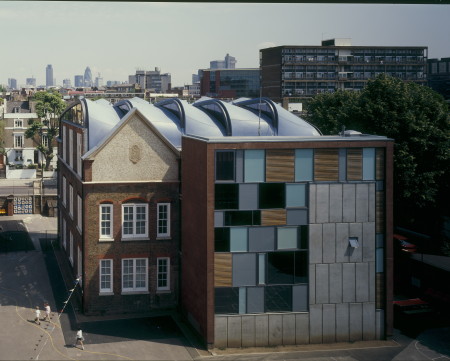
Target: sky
[{"x": 117, "y": 38}]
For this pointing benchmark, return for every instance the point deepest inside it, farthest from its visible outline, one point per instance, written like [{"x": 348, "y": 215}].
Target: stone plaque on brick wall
[{"x": 135, "y": 153}]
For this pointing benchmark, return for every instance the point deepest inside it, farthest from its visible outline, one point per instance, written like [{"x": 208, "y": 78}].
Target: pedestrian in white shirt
[
  {"x": 80, "y": 338},
  {"x": 47, "y": 312},
  {"x": 37, "y": 313}
]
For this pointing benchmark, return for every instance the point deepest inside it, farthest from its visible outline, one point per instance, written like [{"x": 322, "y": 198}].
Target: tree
[
  {"x": 417, "y": 118},
  {"x": 49, "y": 106}
]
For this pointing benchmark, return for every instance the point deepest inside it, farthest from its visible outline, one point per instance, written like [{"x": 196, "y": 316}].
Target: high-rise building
[
  {"x": 98, "y": 81},
  {"x": 88, "y": 77},
  {"x": 152, "y": 80},
  {"x": 228, "y": 63},
  {"x": 229, "y": 83},
  {"x": 439, "y": 76},
  {"x": 79, "y": 80},
  {"x": 31, "y": 81},
  {"x": 49, "y": 75},
  {"x": 12, "y": 83},
  {"x": 304, "y": 71},
  {"x": 67, "y": 83}
]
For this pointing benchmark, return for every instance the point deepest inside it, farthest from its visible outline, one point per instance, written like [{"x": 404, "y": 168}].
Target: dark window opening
[
  {"x": 272, "y": 195},
  {"x": 278, "y": 298},
  {"x": 242, "y": 218},
  {"x": 226, "y": 300},
  {"x": 225, "y": 166},
  {"x": 226, "y": 196},
  {"x": 222, "y": 240}
]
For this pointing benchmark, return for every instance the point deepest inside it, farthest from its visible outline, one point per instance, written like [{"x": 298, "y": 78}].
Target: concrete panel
[
  {"x": 379, "y": 327},
  {"x": 348, "y": 282},
  {"x": 312, "y": 284},
  {"x": 234, "y": 331},
  {"x": 335, "y": 283},
  {"x": 248, "y": 196},
  {"x": 362, "y": 282},
  {"x": 329, "y": 323},
  {"x": 372, "y": 202},
  {"x": 275, "y": 329},
  {"x": 262, "y": 330},
  {"x": 336, "y": 203},
  {"x": 362, "y": 202},
  {"x": 355, "y": 322},
  {"x": 348, "y": 203},
  {"x": 369, "y": 322},
  {"x": 244, "y": 269},
  {"x": 342, "y": 322},
  {"x": 218, "y": 219},
  {"x": 323, "y": 203},
  {"x": 322, "y": 283},
  {"x": 315, "y": 243},
  {"x": 372, "y": 282},
  {"x": 315, "y": 324},
  {"x": 312, "y": 203},
  {"x": 289, "y": 329},
  {"x": 302, "y": 328},
  {"x": 329, "y": 242},
  {"x": 248, "y": 331},
  {"x": 296, "y": 217},
  {"x": 355, "y": 230},
  {"x": 261, "y": 239},
  {"x": 342, "y": 248},
  {"x": 300, "y": 298},
  {"x": 220, "y": 331},
  {"x": 368, "y": 244}
]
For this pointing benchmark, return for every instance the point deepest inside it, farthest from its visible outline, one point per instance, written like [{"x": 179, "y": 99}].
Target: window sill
[
  {"x": 163, "y": 291},
  {"x": 106, "y": 294},
  {"x": 106, "y": 240},
  {"x": 131, "y": 293},
  {"x": 163, "y": 238},
  {"x": 135, "y": 239}
]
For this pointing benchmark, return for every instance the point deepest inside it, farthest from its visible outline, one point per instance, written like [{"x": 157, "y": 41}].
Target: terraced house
[{"x": 262, "y": 230}]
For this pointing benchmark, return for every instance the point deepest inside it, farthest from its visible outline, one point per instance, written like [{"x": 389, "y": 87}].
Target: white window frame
[
  {"x": 44, "y": 140},
  {"x": 71, "y": 248},
  {"x": 106, "y": 237},
  {"x": 134, "y": 288},
  {"x": 160, "y": 219},
  {"x": 18, "y": 140},
  {"x": 133, "y": 235},
  {"x": 71, "y": 148},
  {"x": 165, "y": 287},
  {"x": 64, "y": 191},
  {"x": 70, "y": 200},
  {"x": 79, "y": 213},
  {"x": 102, "y": 274},
  {"x": 18, "y": 123}
]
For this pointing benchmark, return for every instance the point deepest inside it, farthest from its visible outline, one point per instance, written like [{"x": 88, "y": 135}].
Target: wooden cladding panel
[
  {"x": 379, "y": 165},
  {"x": 379, "y": 212},
  {"x": 326, "y": 165},
  {"x": 354, "y": 164},
  {"x": 223, "y": 270},
  {"x": 280, "y": 165},
  {"x": 379, "y": 290},
  {"x": 274, "y": 217}
]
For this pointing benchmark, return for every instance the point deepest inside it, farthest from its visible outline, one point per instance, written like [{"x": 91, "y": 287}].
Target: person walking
[
  {"x": 37, "y": 313},
  {"x": 47, "y": 312},
  {"x": 80, "y": 338}
]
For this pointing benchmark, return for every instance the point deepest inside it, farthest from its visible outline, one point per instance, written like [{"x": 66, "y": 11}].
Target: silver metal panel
[
  {"x": 312, "y": 203},
  {"x": 323, "y": 203},
  {"x": 322, "y": 283},
  {"x": 220, "y": 331},
  {"x": 239, "y": 165},
  {"x": 262, "y": 330},
  {"x": 275, "y": 329},
  {"x": 234, "y": 332},
  {"x": 348, "y": 282},
  {"x": 329, "y": 323},
  {"x": 372, "y": 201},
  {"x": 369, "y": 322},
  {"x": 329, "y": 243},
  {"x": 342, "y": 248},
  {"x": 362, "y": 282},
  {"x": 218, "y": 219},
  {"x": 348, "y": 204},
  {"x": 315, "y": 324},
  {"x": 335, "y": 283},
  {"x": 335, "y": 202},
  {"x": 255, "y": 299},
  {"x": 372, "y": 282},
  {"x": 315, "y": 243},
  {"x": 302, "y": 328},
  {"x": 356, "y": 231},
  {"x": 244, "y": 269},
  {"x": 355, "y": 321},
  {"x": 362, "y": 202},
  {"x": 296, "y": 217},
  {"x": 312, "y": 284},
  {"x": 342, "y": 164},
  {"x": 248, "y": 331},
  {"x": 300, "y": 298},
  {"x": 379, "y": 327},
  {"x": 261, "y": 239},
  {"x": 368, "y": 244},
  {"x": 342, "y": 322},
  {"x": 248, "y": 196},
  {"x": 289, "y": 329}
]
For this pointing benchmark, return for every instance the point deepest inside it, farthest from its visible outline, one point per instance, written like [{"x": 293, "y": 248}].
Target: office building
[
  {"x": 152, "y": 80},
  {"x": 31, "y": 81},
  {"x": 304, "y": 71},
  {"x": 439, "y": 76},
  {"x": 79, "y": 81},
  {"x": 229, "y": 83},
  {"x": 87, "y": 79},
  {"x": 67, "y": 83},
  {"x": 12, "y": 83},
  {"x": 228, "y": 63},
  {"x": 49, "y": 76}
]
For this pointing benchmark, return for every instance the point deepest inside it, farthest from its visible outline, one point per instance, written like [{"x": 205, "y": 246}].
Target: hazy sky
[{"x": 116, "y": 38}]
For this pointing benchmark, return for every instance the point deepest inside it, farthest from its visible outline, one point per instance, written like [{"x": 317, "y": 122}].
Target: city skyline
[{"x": 180, "y": 38}]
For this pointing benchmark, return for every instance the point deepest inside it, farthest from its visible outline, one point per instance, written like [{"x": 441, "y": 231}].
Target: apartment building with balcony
[{"x": 301, "y": 71}]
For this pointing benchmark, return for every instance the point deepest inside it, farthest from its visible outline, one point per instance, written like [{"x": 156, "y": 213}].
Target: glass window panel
[
  {"x": 303, "y": 165},
  {"x": 280, "y": 268},
  {"x": 296, "y": 195},
  {"x": 226, "y": 300},
  {"x": 140, "y": 219},
  {"x": 368, "y": 163},
  {"x": 238, "y": 239},
  {"x": 242, "y": 218},
  {"x": 301, "y": 267},
  {"x": 262, "y": 268},
  {"x": 271, "y": 195},
  {"x": 225, "y": 165},
  {"x": 254, "y": 167},
  {"x": 304, "y": 232},
  {"x": 127, "y": 220},
  {"x": 278, "y": 298},
  {"x": 226, "y": 196},
  {"x": 222, "y": 239},
  {"x": 287, "y": 238}
]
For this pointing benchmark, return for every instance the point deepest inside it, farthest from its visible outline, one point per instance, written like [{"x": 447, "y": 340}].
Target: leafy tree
[
  {"x": 417, "y": 118},
  {"x": 49, "y": 106}
]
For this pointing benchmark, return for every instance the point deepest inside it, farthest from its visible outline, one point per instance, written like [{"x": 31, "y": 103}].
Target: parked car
[{"x": 413, "y": 315}]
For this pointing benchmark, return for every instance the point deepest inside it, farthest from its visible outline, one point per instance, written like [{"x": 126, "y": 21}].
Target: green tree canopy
[
  {"x": 49, "y": 106},
  {"x": 416, "y": 117}
]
